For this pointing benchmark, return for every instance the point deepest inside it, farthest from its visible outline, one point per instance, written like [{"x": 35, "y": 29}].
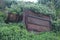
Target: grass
[{"x": 14, "y": 31}]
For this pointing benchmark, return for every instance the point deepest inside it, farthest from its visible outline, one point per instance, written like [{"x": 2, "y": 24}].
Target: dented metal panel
[
  {"x": 37, "y": 28},
  {"x": 36, "y": 22}
]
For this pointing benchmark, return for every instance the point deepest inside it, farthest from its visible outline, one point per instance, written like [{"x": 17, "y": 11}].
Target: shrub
[
  {"x": 56, "y": 25},
  {"x": 14, "y": 32},
  {"x": 2, "y": 16},
  {"x": 9, "y": 33},
  {"x": 39, "y": 8},
  {"x": 58, "y": 13},
  {"x": 14, "y": 9},
  {"x": 47, "y": 36}
]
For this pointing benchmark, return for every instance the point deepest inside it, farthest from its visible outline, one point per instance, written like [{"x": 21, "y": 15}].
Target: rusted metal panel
[
  {"x": 37, "y": 28},
  {"x": 36, "y": 22},
  {"x": 40, "y": 15},
  {"x": 13, "y": 18}
]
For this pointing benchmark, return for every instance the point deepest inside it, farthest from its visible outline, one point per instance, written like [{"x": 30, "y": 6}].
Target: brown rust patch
[
  {"x": 36, "y": 22},
  {"x": 14, "y": 18}
]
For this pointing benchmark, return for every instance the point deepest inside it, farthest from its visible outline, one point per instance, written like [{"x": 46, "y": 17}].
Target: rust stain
[{"x": 36, "y": 22}]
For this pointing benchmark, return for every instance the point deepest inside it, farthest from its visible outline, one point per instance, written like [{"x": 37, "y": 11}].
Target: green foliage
[
  {"x": 14, "y": 9},
  {"x": 13, "y": 32},
  {"x": 16, "y": 32},
  {"x": 47, "y": 36},
  {"x": 9, "y": 2},
  {"x": 2, "y": 16},
  {"x": 9, "y": 33},
  {"x": 56, "y": 3},
  {"x": 56, "y": 25},
  {"x": 58, "y": 13},
  {"x": 43, "y": 1},
  {"x": 38, "y": 8}
]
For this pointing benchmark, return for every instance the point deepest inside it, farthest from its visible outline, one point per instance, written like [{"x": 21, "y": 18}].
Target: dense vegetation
[{"x": 17, "y": 31}]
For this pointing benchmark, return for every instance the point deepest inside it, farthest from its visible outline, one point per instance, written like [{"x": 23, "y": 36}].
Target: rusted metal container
[
  {"x": 13, "y": 18},
  {"x": 36, "y": 22}
]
